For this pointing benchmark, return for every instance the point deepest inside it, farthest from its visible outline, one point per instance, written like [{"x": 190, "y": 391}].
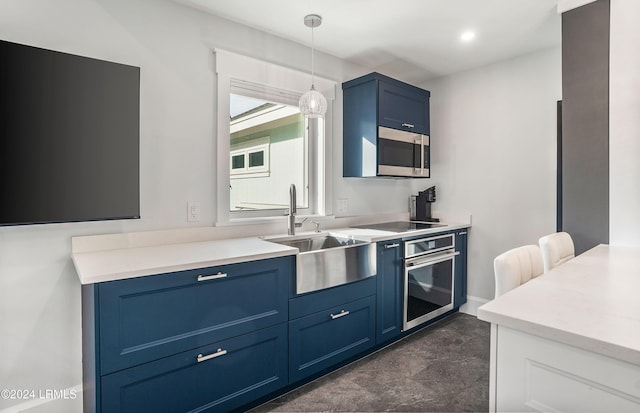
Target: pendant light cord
[{"x": 312, "y": 62}]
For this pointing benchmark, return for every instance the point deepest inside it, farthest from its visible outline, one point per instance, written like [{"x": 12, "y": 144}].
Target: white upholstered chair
[
  {"x": 516, "y": 267},
  {"x": 556, "y": 249}
]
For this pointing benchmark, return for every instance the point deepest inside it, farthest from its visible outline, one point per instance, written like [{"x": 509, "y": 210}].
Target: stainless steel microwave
[{"x": 402, "y": 153}]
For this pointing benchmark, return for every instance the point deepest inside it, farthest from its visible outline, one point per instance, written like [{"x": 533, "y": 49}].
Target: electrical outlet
[
  {"x": 342, "y": 206},
  {"x": 193, "y": 211}
]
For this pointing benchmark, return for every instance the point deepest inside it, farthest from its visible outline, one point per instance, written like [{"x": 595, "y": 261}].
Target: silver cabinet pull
[
  {"x": 340, "y": 314},
  {"x": 396, "y": 245},
  {"x": 408, "y": 125},
  {"x": 211, "y": 277},
  {"x": 462, "y": 233},
  {"x": 218, "y": 353}
]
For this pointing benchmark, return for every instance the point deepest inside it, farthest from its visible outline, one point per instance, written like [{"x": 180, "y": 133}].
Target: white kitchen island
[{"x": 569, "y": 340}]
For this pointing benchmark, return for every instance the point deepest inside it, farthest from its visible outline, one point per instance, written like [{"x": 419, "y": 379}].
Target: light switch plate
[
  {"x": 342, "y": 206},
  {"x": 193, "y": 211}
]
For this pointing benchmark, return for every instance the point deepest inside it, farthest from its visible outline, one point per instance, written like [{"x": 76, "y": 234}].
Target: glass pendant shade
[{"x": 313, "y": 104}]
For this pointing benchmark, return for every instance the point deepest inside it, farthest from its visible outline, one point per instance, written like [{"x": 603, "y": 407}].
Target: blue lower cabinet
[
  {"x": 390, "y": 291},
  {"x": 324, "y": 339},
  {"x": 147, "y": 318},
  {"x": 214, "y": 378},
  {"x": 460, "y": 276}
]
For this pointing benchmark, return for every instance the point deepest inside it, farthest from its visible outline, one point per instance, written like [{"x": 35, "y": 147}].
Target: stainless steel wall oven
[{"x": 429, "y": 268}]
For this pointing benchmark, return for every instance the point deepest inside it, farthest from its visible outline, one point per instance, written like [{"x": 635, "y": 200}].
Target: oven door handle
[{"x": 425, "y": 261}]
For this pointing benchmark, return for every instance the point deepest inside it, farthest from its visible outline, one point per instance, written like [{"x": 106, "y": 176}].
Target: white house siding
[{"x": 286, "y": 167}]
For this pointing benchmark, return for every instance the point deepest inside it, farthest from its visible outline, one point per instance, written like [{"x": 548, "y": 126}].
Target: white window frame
[{"x": 235, "y": 70}]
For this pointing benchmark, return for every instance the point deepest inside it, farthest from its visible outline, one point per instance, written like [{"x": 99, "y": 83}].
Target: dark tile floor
[{"x": 443, "y": 368}]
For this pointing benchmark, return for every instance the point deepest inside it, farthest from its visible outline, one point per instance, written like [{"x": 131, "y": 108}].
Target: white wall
[
  {"x": 493, "y": 140},
  {"x": 624, "y": 123}
]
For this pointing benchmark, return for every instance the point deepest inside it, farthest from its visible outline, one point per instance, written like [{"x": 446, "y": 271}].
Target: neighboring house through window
[{"x": 264, "y": 143}]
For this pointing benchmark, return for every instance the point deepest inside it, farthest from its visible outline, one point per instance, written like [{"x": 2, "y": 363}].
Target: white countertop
[
  {"x": 589, "y": 302},
  {"x": 124, "y": 256},
  {"x": 374, "y": 235},
  {"x": 117, "y": 264}
]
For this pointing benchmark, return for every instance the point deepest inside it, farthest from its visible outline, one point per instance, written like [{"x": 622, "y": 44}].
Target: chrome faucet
[{"x": 292, "y": 211}]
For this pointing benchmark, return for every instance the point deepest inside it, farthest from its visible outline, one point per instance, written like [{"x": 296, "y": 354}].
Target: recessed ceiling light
[{"x": 467, "y": 36}]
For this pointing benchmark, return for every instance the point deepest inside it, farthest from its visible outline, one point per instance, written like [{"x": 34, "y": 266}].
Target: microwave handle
[
  {"x": 421, "y": 143},
  {"x": 421, "y": 155}
]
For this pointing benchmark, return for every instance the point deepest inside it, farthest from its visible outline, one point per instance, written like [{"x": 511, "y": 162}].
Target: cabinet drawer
[
  {"x": 403, "y": 107},
  {"x": 253, "y": 366},
  {"x": 143, "y": 319},
  {"x": 330, "y": 297},
  {"x": 323, "y": 339}
]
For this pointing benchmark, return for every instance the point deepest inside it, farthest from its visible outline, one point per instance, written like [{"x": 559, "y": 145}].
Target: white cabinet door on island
[{"x": 569, "y": 340}]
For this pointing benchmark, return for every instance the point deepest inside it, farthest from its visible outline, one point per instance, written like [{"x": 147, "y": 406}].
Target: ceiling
[{"x": 410, "y": 39}]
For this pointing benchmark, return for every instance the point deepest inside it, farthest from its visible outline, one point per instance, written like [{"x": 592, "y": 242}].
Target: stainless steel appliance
[
  {"x": 429, "y": 268},
  {"x": 412, "y": 207},
  {"x": 325, "y": 261},
  {"x": 402, "y": 153}
]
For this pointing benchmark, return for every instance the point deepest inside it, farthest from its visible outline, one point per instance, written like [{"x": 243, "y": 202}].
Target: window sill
[{"x": 271, "y": 220}]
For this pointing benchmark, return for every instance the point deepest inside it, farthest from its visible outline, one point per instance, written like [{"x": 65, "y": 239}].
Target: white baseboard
[{"x": 472, "y": 305}]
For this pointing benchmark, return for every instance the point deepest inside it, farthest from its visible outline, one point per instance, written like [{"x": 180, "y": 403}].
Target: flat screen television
[{"x": 69, "y": 137}]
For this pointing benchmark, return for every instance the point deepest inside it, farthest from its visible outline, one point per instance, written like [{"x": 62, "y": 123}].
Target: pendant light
[{"x": 312, "y": 104}]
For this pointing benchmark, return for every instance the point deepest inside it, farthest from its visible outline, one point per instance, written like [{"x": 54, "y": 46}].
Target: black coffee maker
[{"x": 423, "y": 204}]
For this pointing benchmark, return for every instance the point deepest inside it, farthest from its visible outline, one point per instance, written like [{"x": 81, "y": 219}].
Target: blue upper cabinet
[
  {"x": 402, "y": 106},
  {"x": 385, "y": 128}
]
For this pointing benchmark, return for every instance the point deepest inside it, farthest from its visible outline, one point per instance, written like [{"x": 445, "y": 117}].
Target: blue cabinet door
[
  {"x": 311, "y": 303},
  {"x": 460, "y": 276},
  {"x": 360, "y": 129},
  {"x": 143, "y": 319},
  {"x": 403, "y": 107},
  {"x": 390, "y": 291},
  {"x": 321, "y": 340},
  {"x": 233, "y": 373}
]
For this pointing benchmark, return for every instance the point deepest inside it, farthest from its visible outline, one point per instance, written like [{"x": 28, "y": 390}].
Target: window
[
  {"x": 250, "y": 160},
  {"x": 263, "y": 167},
  {"x": 264, "y": 144}
]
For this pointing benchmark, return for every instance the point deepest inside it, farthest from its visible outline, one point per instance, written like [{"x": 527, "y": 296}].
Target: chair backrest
[
  {"x": 516, "y": 267},
  {"x": 556, "y": 249}
]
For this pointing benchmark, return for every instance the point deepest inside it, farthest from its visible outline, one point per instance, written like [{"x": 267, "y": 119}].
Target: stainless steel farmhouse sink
[
  {"x": 320, "y": 242},
  {"x": 326, "y": 260}
]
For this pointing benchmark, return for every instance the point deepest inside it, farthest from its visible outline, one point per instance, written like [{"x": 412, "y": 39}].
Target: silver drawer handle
[
  {"x": 211, "y": 277},
  {"x": 462, "y": 233},
  {"x": 340, "y": 314},
  {"x": 408, "y": 125},
  {"x": 392, "y": 245},
  {"x": 218, "y": 353}
]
